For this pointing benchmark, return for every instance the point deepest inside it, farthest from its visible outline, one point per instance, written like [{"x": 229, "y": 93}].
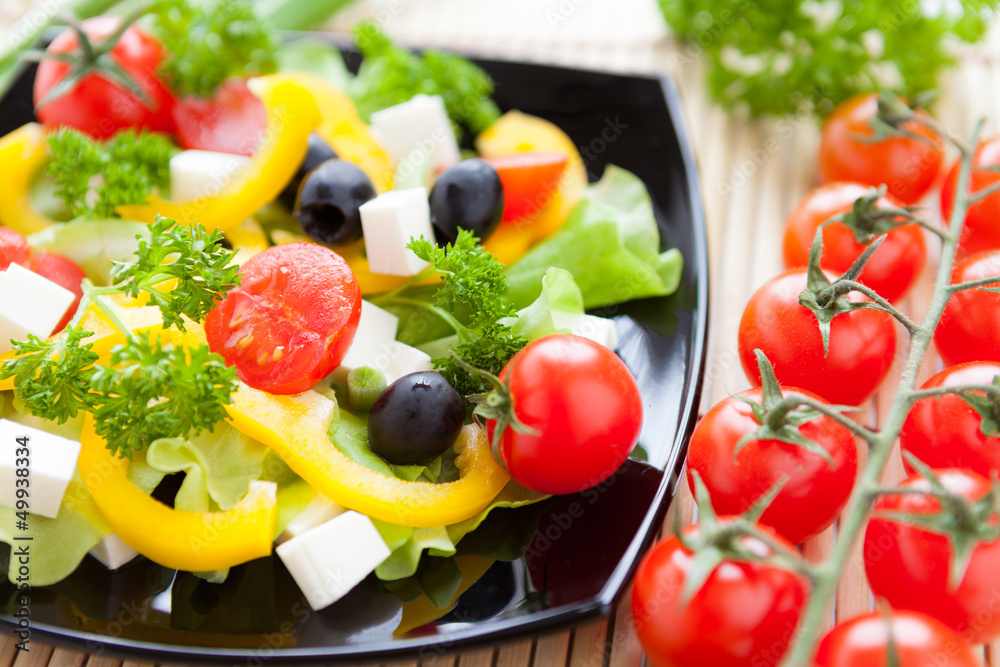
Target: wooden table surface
[{"x": 753, "y": 173}]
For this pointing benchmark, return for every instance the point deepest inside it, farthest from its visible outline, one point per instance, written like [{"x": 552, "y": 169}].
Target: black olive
[
  {"x": 416, "y": 419},
  {"x": 328, "y": 202},
  {"x": 468, "y": 195},
  {"x": 317, "y": 153}
]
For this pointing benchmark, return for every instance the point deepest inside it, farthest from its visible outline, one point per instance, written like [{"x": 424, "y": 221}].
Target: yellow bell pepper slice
[
  {"x": 370, "y": 282},
  {"x": 292, "y": 113},
  {"x": 296, "y": 428},
  {"x": 344, "y": 130},
  {"x": 192, "y": 541},
  {"x": 22, "y": 153}
]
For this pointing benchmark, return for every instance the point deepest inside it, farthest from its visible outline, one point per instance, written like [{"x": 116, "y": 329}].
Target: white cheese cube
[
  {"x": 113, "y": 552},
  {"x": 329, "y": 560},
  {"x": 601, "y": 330},
  {"x": 376, "y": 330},
  {"x": 417, "y": 130},
  {"x": 389, "y": 222},
  {"x": 399, "y": 359},
  {"x": 29, "y": 304},
  {"x": 316, "y": 513},
  {"x": 196, "y": 174},
  {"x": 51, "y": 464}
]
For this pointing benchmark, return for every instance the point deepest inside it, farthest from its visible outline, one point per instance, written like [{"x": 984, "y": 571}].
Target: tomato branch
[
  {"x": 882, "y": 303},
  {"x": 972, "y": 284}
]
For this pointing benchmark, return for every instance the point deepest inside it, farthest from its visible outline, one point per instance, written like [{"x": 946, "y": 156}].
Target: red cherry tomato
[
  {"x": 969, "y": 329},
  {"x": 982, "y": 221},
  {"x": 890, "y": 271},
  {"x": 529, "y": 181},
  {"x": 735, "y": 482},
  {"x": 862, "y": 343},
  {"x": 909, "y": 566},
  {"x": 744, "y": 614},
  {"x": 13, "y": 248},
  {"x": 944, "y": 432},
  {"x": 231, "y": 122},
  {"x": 919, "y": 642},
  {"x": 908, "y": 167},
  {"x": 585, "y": 406},
  {"x": 62, "y": 271},
  {"x": 95, "y": 105},
  {"x": 291, "y": 321}
]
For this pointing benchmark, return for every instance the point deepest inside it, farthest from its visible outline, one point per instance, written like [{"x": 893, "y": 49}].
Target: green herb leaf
[
  {"x": 192, "y": 256},
  {"x": 148, "y": 392},
  {"x": 94, "y": 178},
  {"x": 792, "y": 55},
  {"x": 206, "y": 43}
]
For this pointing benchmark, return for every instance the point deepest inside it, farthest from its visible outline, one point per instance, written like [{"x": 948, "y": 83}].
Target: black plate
[{"x": 587, "y": 545}]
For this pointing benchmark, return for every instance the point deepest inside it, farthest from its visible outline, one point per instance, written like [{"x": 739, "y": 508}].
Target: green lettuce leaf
[
  {"x": 316, "y": 57},
  {"x": 93, "y": 244},
  {"x": 57, "y": 545},
  {"x": 349, "y": 434},
  {"x": 560, "y": 300},
  {"x": 609, "y": 244}
]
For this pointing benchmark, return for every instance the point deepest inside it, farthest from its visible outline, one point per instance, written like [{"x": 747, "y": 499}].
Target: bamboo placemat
[{"x": 753, "y": 174}]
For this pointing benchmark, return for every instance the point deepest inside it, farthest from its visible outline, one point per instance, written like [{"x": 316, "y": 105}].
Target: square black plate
[{"x": 586, "y": 546}]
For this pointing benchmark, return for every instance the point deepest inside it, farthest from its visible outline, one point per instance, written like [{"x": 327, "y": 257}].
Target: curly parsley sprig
[{"x": 145, "y": 391}]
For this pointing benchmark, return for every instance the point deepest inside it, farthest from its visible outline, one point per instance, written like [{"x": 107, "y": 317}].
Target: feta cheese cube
[
  {"x": 113, "y": 552},
  {"x": 29, "y": 304},
  {"x": 195, "y": 174},
  {"x": 601, "y": 330},
  {"x": 389, "y": 222},
  {"x": 331, "y": 559},
  {"x": 399, "y": 359},
  {"x": 417, "y": 130},
  {"x": 316, "y": 513},
  {"x": 51, "y": 464},
  {"x": 376, "y": 330}
]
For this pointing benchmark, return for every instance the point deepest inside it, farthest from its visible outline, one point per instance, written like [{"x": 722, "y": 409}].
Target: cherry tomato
[
  {"x": 735, "y": 482},
  {"x": 291, "y": 321},
  {"x": 919, "y": 642},
  {"x": 908, "y": 167},
  {"x": 529, "y": 181},
  {"x": 890, "y": 271},
  {"x": 944, "y": 432},
  {"x": 62, "y": 271},
  {"x": 909, "y": 566},
  {"x": 585, "y": 406},
  {"x": 96, "y": 105},
  {"x": 969, "y": 329},
  {"x": 231, "y": 122},
  {"x": 13, "y": 248},
  {"x": 982, "y": 220},
  {"x": 744, "y": 614},
  {"x": 862, "y": 343}
]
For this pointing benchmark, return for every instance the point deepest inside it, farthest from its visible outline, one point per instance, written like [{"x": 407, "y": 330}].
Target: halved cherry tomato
[
  {"x": 908, "y": 167},
  {"x": 862, "y": 343},
  {"x": 969, "y": 329},
  {"x": 13, "y": 248},
  {"x": 891, "y": 270},
  {"x": 919, "y": 641},
  {"x": 231, "y": 122},
  {"x": 96, "y": 105},
  {"x": 62, "y": 271},
  {"x": 291, "y": 321},
  {"x": 944, "y": 432},
  {"x": 744, "y": 614},
  {"x": 982, "y": 220},
  {"x": 584, "y": 405},
  {"x": 530, "y": 180},
  {"x": 910, "y": 566},
  {"x": 735, "y": 481}
]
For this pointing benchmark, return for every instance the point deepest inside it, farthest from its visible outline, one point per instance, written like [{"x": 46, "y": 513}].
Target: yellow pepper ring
[
  {"x": 292, "y": 113},
  {"x": 22, "y": 153},
  {"x": 296, "y": 428},
  {"x": 192, "y": 541}
]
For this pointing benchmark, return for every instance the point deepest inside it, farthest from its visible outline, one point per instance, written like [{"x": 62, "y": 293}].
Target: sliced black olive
[
  {"x": 328, "y": 202},
  {"x": 415, "y": 419},
  {"x": 317, "y": 153},
  {"x": 469, "y": 196}
]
